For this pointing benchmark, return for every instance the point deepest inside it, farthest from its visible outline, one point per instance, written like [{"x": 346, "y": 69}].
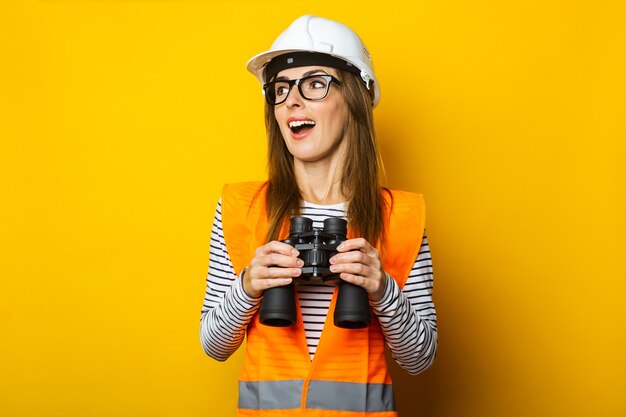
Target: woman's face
[{"x": 313, "y": 130}]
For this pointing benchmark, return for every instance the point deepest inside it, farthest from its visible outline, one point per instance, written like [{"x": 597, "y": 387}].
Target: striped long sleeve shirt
[{"x": 407, "y": 316}]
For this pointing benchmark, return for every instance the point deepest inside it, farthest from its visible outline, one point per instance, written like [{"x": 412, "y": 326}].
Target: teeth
[{"x": 297, "y": 123}]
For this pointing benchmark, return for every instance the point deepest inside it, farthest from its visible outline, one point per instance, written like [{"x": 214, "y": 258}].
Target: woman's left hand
[{"x": 359, "y": 263}]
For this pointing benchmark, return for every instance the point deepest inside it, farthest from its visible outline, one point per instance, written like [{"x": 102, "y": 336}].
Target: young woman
[{"x": 320, "y": 89}]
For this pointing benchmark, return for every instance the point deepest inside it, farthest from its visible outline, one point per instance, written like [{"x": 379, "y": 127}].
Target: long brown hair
[{"x": 362, "y": 169}]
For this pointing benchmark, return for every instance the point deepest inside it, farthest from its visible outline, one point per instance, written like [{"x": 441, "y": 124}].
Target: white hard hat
[{"x": 321, "y": 36}]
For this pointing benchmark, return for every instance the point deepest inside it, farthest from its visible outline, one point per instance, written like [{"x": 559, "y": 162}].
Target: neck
[{"x": 320, "y": 181}]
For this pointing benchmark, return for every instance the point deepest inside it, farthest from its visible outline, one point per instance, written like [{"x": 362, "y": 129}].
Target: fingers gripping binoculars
[{"x": 316, "y": 247}]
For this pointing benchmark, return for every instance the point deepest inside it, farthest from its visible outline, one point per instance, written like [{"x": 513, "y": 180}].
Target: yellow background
[{"x": 120, "y": 121}]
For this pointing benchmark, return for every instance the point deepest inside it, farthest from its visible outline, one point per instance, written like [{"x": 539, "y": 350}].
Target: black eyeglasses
[{"x": 313, "y": 87}]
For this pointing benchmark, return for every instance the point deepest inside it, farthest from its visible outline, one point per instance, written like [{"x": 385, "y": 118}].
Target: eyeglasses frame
[{"x": 297, "y": 82}]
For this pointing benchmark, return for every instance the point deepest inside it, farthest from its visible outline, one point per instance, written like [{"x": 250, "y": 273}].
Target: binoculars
[{"x": 316, "y": 247}]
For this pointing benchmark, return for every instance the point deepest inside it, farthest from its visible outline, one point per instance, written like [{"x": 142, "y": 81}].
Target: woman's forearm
[
  {"x": 227, "y": 309},
  {"x": 408, "y": 318}
]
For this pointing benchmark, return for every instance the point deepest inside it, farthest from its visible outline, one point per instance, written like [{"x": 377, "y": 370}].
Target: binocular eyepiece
[{"x": 316, "y": 247}]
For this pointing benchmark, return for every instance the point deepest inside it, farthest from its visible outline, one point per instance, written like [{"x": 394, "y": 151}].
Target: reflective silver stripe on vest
[
  {"x": 270, "y": 395},
  {"x": 349, "y": 396},
  {"x": 321, "y": 395}
]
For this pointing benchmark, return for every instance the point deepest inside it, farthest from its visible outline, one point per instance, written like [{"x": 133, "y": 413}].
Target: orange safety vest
[{"x": 348, "y": 374}]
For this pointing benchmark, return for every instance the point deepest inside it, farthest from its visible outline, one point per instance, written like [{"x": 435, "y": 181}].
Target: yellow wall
[{"x": 119, "y": 121}]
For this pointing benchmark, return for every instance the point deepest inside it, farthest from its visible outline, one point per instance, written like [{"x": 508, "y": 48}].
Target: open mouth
[{"x": 301, "y": 126}]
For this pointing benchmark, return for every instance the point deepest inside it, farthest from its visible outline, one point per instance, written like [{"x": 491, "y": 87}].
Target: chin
[{"x": 305, "y": 158}]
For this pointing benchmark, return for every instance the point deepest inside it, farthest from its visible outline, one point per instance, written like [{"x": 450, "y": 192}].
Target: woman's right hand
[{"x": 274, "y": 264}]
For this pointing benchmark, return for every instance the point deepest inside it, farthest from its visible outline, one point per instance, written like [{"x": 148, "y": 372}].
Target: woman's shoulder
[
  {"x": 245, "y": 185},
  {"x": 395, "y": 195},
  {"x": 245, "y": 190}
]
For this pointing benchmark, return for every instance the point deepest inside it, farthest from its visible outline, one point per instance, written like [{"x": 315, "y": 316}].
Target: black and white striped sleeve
[
  {"x": 227, "y": 309},
  {"x": 407, "y": 316}
]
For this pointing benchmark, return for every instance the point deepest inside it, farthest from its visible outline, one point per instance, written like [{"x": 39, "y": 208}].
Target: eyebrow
[{"x": 306, "y": 74}]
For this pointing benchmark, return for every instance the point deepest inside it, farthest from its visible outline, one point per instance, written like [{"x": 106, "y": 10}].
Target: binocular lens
[
  {"x": 300, "y": 225},
  {"x": 336, "y": 226}
]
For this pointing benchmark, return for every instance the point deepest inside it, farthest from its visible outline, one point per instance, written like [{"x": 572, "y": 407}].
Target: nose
[{"x": 294, "y": 98}]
